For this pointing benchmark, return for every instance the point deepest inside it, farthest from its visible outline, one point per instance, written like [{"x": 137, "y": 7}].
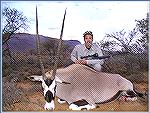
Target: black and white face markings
[{"x": 49, "y": 87}]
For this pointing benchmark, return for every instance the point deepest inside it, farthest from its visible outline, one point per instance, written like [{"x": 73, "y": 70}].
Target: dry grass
[{"x": 34, "y": 101}]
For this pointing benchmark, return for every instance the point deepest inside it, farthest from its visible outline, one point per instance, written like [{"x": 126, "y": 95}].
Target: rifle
[{"x": 95, "y": 56}]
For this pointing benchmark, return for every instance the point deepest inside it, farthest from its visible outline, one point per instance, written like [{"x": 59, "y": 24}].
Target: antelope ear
[
  {"x": 35, "y": 78},
  {"x": 60, "y": 81}
]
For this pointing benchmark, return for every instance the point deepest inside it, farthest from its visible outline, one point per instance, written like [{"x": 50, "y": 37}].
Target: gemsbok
[{"x": 83, "y": 87}]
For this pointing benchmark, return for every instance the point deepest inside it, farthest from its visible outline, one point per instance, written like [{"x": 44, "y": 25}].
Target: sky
[{"x": 100, "y": 17}]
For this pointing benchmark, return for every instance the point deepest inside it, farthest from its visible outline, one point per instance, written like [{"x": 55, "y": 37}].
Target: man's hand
[{"x": 81, "y": 61}]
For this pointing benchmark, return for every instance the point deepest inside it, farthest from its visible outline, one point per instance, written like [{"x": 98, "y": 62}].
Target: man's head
[{"x": 88, "y": 39}]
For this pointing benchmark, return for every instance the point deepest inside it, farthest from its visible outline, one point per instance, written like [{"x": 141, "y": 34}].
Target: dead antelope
[{"x": 86, "y": 85}]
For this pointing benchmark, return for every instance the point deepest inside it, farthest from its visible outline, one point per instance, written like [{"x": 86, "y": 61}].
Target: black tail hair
[{"x": 140, "y": 94}]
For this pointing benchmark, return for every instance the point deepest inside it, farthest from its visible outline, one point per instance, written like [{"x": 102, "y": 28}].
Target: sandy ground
[{"x": 34, "y": 101}]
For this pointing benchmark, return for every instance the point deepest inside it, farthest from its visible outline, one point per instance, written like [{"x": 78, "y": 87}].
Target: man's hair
[{"x": 88, "y": 33}]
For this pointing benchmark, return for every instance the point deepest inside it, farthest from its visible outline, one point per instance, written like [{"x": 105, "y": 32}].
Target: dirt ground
[{"x": 34, "y": 101}]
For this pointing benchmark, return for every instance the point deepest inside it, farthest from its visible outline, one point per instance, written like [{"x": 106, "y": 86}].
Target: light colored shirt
[{"x": 80, "y": 51}]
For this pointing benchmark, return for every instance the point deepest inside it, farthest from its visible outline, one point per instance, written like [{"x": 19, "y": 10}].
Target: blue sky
[{"x": 100, "y": 17}]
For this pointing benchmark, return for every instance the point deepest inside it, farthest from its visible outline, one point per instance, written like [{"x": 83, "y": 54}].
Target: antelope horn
[
  {"x": 58, "y": 50},
  {"x": 38, "y": 47}
]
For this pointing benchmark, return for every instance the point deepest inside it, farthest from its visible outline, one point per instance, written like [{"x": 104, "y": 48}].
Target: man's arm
[{"x": 74, "y": 54}]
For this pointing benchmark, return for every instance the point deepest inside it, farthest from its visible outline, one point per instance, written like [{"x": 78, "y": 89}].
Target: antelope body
[{"x": 86, "y": 84}]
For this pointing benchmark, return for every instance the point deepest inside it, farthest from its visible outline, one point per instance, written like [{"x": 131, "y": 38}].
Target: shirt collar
[{"x": 85, "y": 49}]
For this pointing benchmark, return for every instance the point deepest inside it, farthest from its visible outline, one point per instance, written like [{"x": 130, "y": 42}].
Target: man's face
[{"x": 88, "y": 39}]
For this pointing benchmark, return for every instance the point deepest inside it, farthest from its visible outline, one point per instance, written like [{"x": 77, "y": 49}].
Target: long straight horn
[
  {"x": 38, "y": 47},
  {"x": 59, "y": 47}
]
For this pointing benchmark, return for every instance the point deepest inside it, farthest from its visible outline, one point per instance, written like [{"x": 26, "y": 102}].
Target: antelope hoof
[
  {"x": 124, "y": 98},
  {"x": 76, "y": 107},
  {"x": 61, "y": 101},
  {"x": 131, "y": 98}
]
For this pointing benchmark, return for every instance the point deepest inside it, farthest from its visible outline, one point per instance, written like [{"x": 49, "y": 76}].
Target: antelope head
[{"x": 49, "y": 87}]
